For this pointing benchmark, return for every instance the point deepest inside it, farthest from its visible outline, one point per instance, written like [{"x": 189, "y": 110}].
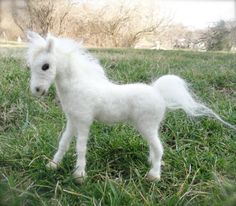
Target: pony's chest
[{"x": 76, "y": 101}]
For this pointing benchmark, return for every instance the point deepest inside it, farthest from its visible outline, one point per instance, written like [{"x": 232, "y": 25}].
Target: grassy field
[{"x": 199, "y": 158}]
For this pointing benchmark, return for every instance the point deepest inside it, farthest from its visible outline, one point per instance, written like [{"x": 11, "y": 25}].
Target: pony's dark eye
[{"x": 45, "y": 67}]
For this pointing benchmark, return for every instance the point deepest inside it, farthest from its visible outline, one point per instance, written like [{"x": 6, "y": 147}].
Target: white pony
[{"x": 86, "y": 94}]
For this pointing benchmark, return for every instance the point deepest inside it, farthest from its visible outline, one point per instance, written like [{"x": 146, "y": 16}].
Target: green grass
[{"x": 199, "y": 157}]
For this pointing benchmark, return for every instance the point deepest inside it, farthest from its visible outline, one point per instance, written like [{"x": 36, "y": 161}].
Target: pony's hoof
[
  {"x": 79, "y": 176},
  {"x": 52, "y": 165},
  {"x": 151, "y": 176}
]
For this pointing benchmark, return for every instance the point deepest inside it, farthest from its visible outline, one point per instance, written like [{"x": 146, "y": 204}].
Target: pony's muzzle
[{"x": 38, "y": 91}]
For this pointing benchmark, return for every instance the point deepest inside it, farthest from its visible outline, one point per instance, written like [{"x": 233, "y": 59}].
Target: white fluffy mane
[{"x": 80, "y": 57}]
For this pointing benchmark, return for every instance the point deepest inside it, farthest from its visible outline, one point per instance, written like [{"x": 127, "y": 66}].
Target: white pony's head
[{"x": 41, "y": 61}]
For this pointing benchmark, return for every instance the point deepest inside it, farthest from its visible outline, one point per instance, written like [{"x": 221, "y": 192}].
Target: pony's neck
[
  {"x": 77, "y": 68},
  {"x": 63, "y": 73}
]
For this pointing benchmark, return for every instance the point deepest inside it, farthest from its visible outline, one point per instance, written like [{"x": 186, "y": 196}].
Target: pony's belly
[{"x": 112, "y": 117}]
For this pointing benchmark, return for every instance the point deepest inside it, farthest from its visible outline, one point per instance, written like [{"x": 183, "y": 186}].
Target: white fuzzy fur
[{"x": 86, "y": 95}]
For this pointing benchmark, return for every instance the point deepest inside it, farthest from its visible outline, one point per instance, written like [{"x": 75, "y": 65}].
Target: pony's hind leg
[
  {"x": 156, "y": 156},
  {"x": 156, "y": 151},
  {"x": 150, "y": 157}
]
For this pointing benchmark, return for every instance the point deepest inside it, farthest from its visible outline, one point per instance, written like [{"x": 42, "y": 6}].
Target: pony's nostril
[
  {"x": 37, "y": 89},
  {"x": 43, "y": 92}
]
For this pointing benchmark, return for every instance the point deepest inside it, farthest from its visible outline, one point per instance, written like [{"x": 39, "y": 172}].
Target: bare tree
[
  {"x": 42, "y": 15},
  {"x": 116, "y": 24},
  {"x": 121, "y": 25},
  {"x": 220, "y": 36}
]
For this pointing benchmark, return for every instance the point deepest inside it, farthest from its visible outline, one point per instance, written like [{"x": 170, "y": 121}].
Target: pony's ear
[
  {"x": 50, "y": 44},
  {"x": 33, "y": 36}
]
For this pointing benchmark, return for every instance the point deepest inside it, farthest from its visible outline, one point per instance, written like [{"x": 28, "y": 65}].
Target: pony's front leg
[
  {"x": 63, "y": 145},
  {"x": 81, "y": 149}
]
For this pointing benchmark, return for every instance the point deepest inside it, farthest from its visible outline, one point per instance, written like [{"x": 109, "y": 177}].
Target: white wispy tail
[{"x": 176, "y": 94}]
